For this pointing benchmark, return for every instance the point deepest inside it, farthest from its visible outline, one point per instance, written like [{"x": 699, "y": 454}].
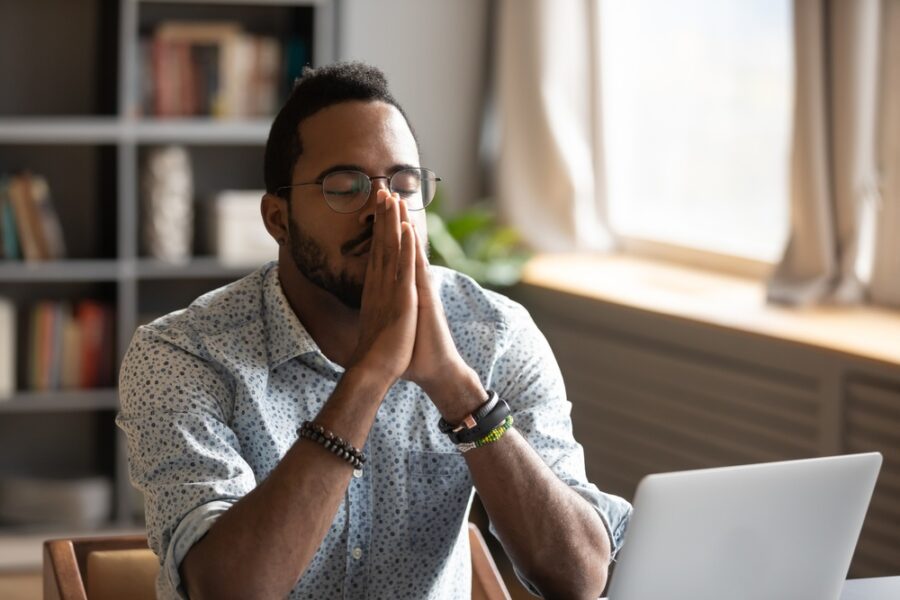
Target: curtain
[
  {"x": 834, "y": 188},
  {"x": 550, "y": 160},
  {"x": 884, "y": 287}
]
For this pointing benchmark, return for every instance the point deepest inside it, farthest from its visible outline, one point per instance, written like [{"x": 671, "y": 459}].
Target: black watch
[{"x": 479, "y": 423}]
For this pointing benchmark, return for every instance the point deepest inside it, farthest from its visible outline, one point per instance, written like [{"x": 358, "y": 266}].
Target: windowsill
[{"x": 728, "y": 301}]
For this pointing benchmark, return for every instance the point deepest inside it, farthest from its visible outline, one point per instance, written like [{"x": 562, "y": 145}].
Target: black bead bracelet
[{"x": 334, "y": 444}]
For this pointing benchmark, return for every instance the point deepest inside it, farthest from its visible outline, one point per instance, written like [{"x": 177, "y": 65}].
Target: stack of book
[
  {"x": 29, "y": 224},
  {"x": 213, "y": 69},
  {"x": 70, "y": 347}
]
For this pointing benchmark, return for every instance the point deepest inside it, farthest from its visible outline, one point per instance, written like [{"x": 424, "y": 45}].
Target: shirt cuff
[
  {"x": 192, "y": 527},
  {"x": 615, "y": 513}
]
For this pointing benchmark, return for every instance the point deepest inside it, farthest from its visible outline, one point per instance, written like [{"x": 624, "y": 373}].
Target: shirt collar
[{"x": 287, "y": 337}]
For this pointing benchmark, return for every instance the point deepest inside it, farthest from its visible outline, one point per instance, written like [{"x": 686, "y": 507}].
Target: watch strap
[{"x": 471, "y": 420}]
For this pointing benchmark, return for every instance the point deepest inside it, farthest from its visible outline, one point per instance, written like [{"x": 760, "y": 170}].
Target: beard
[{"x": 311, "y": 260}]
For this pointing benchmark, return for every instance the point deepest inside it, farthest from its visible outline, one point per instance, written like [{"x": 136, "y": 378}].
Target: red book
[
  {"x": 163, "y": 84},
  {"x": 108, "y": 348},
  {"x": 89, "y": 314}
]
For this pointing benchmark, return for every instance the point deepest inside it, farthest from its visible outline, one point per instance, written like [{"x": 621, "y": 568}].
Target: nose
[{"x": 367, "y": 212}]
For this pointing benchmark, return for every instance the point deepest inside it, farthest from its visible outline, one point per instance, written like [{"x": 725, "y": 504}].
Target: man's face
[{"x": 331, "y": 249}]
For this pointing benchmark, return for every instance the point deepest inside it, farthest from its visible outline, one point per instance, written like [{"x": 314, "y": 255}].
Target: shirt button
[
  {"x": 357, "y": 473},
  {"x": 356, "y": 553}
]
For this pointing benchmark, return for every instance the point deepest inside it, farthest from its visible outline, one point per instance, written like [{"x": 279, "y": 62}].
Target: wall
[{"x": 434, "y": 53}]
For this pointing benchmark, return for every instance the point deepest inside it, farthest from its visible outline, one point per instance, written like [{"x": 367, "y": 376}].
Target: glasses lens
[
  {"x": 346, "y": 191},
  {"x": 416, "y": 186}
]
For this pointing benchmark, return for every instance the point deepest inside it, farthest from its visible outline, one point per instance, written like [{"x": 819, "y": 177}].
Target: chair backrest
[
  {"x": 487, "y": 584},
  {"x": 100, "y": 568}
]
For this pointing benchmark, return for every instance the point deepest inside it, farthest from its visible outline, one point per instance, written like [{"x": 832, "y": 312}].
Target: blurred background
[{"x": 698, "y": 201}]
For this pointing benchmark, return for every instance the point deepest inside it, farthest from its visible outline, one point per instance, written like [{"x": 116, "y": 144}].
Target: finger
[
  {"x": 423, "y": 283},
  {"x": 404, "y": 209},
  {"x": 376, "y": 250},
  {"x": 407, "y": 267},
  {"x": 391, "y": 236}
]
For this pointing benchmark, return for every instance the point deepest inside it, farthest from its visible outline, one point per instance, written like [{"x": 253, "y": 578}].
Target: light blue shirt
[{"x": 212, "y": 397}]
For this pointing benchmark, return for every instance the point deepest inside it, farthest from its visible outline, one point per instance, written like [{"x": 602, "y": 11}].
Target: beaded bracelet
[
  {"x": 495, "y": 434},
  {"x": 334, "y": 444}
]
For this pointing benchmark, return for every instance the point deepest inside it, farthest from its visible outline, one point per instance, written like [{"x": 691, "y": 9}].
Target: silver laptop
[{"x": 772, "y": 531}]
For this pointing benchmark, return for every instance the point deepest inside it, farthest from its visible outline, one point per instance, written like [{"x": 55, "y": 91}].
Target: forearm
[
  {"x": 554, "y": 536},
  {"x": 262, "y": 545}
]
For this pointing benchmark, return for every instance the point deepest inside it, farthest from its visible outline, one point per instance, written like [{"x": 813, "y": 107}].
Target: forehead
[{"x": 373, "y": 135}]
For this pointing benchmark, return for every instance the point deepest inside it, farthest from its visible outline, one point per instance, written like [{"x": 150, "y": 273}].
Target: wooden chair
[
  {"x": 102, "y": 568},
  {"x": 487, "y": 584}
]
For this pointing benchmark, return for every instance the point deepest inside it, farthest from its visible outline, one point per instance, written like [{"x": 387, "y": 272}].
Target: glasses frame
[{"x": 367, "y": 191}]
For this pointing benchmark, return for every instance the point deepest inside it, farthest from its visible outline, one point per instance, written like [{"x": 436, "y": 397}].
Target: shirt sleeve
[
  {"x": 527, "y": 376},
  {"x": 182, "y": 454}
]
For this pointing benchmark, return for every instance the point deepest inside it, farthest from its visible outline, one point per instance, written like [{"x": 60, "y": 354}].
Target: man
[{"x": 353, "y": 332}]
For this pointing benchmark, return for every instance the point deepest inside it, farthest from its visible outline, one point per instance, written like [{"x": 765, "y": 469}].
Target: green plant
[{"x": 474, "y": 243}]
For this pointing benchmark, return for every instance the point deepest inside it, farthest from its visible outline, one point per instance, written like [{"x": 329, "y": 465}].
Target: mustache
[{"x": 348, "y": 247}]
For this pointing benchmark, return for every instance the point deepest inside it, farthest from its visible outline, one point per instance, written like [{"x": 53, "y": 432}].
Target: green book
[{"x": 8, "y": 236}]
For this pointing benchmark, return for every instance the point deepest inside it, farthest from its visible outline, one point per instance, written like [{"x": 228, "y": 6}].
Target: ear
[{"x": 275, "y": 216}]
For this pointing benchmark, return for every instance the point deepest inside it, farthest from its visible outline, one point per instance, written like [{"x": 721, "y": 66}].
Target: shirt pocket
[{"x": 440, "y": 489}]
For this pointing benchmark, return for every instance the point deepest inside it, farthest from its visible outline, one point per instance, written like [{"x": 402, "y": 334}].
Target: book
[
  {"x": 266, "y": 72},
  {"x": 28, "y": 226},
  {"x": 54, "y": 349},
  {"x": 70, "y": 377},
  {"x": 189, "y": 64},
  {"x": 70, "y": 348},
  {"x": 48, "y": 219},
  {"x": 95, "y": 322},
  {"x": 40, "y": 343},
  {"x": 212, "y": 69},
  {"x": 30, "y": 222},
  {"x": 7, "y": 348},
  {"x": 3, "y": 200},
  {"x": 9, "y": 238}
]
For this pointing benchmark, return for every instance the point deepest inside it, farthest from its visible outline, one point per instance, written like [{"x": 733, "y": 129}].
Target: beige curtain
[
  {"x": 884, "y": 287},
  {"x": 835, "y": 192},
  {"x": 550, "y": 164}
]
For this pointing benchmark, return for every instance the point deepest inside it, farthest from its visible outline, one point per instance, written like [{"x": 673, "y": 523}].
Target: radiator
[
  {"x": 653, "y": 395},
  {"x": 872, "y": 413}
]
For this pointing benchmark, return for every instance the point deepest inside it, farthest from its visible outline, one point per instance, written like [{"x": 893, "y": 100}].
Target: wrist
[
  {"x": 369, "y": 367},
  {"x": 457, "y": 394},
  {"x": 371, "y": 379}
]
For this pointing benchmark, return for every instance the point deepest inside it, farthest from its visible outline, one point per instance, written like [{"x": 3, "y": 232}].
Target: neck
[{"x": 333, "y": 325}]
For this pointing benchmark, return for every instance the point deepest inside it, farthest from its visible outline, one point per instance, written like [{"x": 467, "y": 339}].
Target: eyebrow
[{"x": 349, "y": 167}]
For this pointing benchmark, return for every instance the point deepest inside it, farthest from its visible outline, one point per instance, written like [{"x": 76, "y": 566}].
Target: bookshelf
[{"x": 73, "y": 113}]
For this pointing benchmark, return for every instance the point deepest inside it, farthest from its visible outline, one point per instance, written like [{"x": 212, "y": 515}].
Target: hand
[
  {"x": 388, "y": 311},
  {"x": 435, "y": 358}
]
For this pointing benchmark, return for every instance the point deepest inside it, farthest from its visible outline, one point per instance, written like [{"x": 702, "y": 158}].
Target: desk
[{"x": 876, "y": 588}]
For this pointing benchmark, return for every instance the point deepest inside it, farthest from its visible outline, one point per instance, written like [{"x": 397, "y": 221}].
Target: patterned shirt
[{"x": 212, "y": 396}]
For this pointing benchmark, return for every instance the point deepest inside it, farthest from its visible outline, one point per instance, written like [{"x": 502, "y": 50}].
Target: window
[{"x": 697, "y": 101}]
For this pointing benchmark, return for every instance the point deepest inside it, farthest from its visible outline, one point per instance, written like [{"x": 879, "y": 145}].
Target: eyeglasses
[{"x": 348, "y": 191}]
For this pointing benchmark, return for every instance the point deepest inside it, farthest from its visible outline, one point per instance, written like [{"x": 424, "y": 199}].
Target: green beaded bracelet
[{"x": 495, "y": 434}]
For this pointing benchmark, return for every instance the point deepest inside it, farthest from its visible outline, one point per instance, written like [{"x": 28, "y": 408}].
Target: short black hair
[{"x": 319, "y": 88}]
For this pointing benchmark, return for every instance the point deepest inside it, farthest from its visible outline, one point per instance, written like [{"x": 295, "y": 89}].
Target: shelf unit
[{"x": 88, "y": 139}]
